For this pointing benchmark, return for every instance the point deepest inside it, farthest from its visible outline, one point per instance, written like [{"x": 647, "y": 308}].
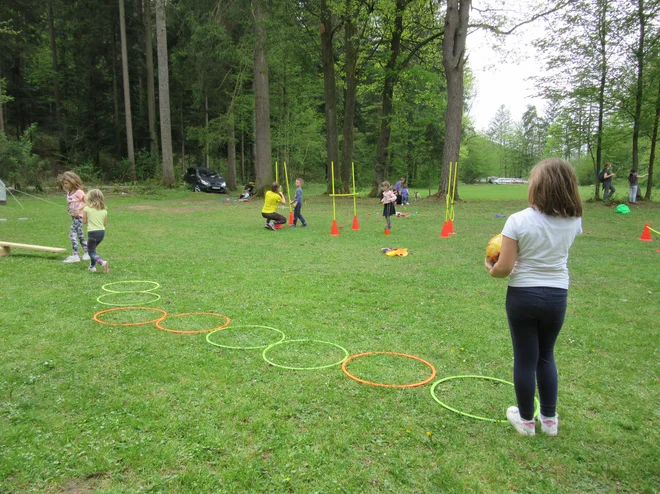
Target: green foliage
[{"x": 20, "y": 165}]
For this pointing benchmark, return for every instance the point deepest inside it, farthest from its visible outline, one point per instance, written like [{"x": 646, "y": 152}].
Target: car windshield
[{"x": 209, "y": 173}]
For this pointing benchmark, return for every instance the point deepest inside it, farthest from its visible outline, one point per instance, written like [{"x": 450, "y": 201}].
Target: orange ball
[{"x": 494, "y": 247}]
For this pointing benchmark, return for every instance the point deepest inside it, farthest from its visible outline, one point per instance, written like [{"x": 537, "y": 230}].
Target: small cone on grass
[
  {"x": 355, "y": 223},
  {"x": 387, "y": 231},
  {"x": 334, "y": 231},
  {"x": 445, "y": 230},
  {"x": 451, "y": 227},
  {"x": 290, "y": 218},
  {"x": 278, "y": 226},
  {"x": 646, "y": 234}
]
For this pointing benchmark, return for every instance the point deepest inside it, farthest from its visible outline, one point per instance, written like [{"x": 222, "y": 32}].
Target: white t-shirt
[{"x": 543, "y": 245}]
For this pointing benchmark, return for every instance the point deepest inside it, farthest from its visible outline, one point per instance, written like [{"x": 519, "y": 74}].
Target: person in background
[
  {"x": 405, "y": 195},
  {"x": 633, "y": 180},
  {"x": 388, "y": 198},
  {"x": 397, "y": 189},
  {"x": 271, "y": 200},
  {"x": 608, "y": 188},
  {"x": 297, "y": 203}
]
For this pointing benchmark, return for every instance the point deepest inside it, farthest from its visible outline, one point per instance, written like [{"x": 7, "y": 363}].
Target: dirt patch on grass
[{"x": 140, "y": 208}]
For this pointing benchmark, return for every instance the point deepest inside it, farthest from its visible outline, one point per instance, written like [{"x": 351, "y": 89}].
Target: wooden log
[{"x": 5, "y": 248}]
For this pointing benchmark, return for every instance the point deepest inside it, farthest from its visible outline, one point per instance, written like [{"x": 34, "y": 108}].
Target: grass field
[{"x": 86, "y": 407}]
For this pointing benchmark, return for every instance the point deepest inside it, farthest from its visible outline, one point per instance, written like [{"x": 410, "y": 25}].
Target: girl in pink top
[
  {"x": 388, "y": 198},
  {"x": 75, "y": 199}
]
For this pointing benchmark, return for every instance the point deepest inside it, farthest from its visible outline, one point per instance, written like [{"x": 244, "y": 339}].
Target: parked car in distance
[
  {"x": 205, "y": 180},
  {"x": 507, "y": 181}
]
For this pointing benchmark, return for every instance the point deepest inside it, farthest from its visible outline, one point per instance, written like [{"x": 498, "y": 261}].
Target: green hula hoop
[
  {"x": 98, "y": 299},
  {"x": 130, "y": 291},
  {"x": 269, "y": 347},
  {"x": 537, "y": 404},
  {"x": 208, "y": 337}
]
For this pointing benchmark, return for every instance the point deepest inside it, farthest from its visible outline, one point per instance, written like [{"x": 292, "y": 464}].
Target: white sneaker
[
  {"x": 549, "y": 425},
  {"x": 524, "y": 427},
  {"x": 85, "y": 257},
  {"x": 92, "y": 269},
  {"x": 72, "y": 259}
]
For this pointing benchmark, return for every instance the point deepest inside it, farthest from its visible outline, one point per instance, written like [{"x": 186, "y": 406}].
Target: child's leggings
[
  {"x": 536, "y": 315},
  {"x": 95, "y": 237},
  {"x": 76, "y": 235}
]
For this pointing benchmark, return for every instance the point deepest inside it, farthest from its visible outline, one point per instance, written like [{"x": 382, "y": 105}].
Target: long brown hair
[
  {"x": 72, "y": 178},
  {"x": 553, "y": 189}
]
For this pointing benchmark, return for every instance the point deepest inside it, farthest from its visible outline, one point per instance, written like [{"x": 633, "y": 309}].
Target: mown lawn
[{"x": 86, "y": 407}]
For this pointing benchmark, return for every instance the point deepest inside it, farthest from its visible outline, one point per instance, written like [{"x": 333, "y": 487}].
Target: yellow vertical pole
[
  {"x": 334, "y": 208},
  {"x": 354, "y": 193},
  {"x": 288, "y": 191},
  {"x": 276, "y": 172},
  {"x": 448, "y": 193},
  {"x": 453, "y": 189}
]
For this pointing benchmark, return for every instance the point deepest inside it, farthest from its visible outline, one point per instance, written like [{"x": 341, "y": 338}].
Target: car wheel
[{"x": 197, "y": 189}]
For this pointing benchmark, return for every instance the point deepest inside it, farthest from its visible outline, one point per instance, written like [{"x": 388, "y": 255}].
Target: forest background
[{"x": 139, "y": 90}]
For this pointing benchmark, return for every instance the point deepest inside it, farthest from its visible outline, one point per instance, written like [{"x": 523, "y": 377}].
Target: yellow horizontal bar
[{"x": 341, "y": 195}]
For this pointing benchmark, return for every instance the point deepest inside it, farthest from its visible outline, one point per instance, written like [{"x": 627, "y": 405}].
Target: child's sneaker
[
  {"x": 271, "y": 226},
  {"x": 549, "y": 425},
  {"x": 85, "y": 257},
  {"x": 72, "y": 258},
  {"x": 524, "y": 427},
  {"x": 106, "y": 267},
  {"x": 92, "y": 269}
]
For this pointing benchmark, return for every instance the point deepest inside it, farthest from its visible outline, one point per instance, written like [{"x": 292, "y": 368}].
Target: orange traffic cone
[
  {"x": 279, "y": 226},
  {"x": 334, "y": 231},
  {"x": 355, "y": 224},
  {"x": 290, "y": 218},
  {"x": 451, "y": 227},
  {"x": 646, "y": 234},
  {"x": 387, "y": 231},
  {"x": 445, "y": 230}
]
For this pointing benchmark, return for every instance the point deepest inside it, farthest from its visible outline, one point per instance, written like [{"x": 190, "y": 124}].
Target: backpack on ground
[{"x": 601, "y": 176}]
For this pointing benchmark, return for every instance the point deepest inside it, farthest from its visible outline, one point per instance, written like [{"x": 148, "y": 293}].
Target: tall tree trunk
[
  {"x": 115, "y": 96},
  {"x": 206, "y": 127},
  {"x": 56, "y": 74},
  {"x": 453, "y": 60},
  {"x": 602, "y": 40},
  {"x": 350, "y": 97},
  {"x": 2, "y": 104},
  {"x": 654, "y": 138},
  {"x": 127, "y": 90},
  {"x": 388, "y": 92},
  {"x": 262, "y": 160},
  {"x": 164, "y": 94},
  {"x": 183, "y": 136},
  {"x": 151, "y": 92},
  {"x": 243, "y": 156},
  {"x": 639, "y": 55},
  {"x": 231, "y": 153},
  {"x": 142, "y": 111},
  {"x": 329, "y": 90}
]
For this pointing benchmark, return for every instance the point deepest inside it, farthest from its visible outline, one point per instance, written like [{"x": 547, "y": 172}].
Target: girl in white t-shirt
[{"x": 535, "y": 245}]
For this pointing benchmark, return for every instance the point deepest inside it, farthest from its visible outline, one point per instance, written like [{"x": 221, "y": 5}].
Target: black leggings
[
  {"x": 536, "y": 315},
  {"x": 276, "y": 217}
]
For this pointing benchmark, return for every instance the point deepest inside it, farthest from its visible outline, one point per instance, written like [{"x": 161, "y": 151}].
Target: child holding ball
[{"x": 534, "y": 255}]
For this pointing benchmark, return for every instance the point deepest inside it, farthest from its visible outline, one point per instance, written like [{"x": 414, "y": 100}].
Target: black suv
[{"x": 205, "y": 180}]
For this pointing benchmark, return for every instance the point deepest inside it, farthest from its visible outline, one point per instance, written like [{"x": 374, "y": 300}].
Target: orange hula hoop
[
  {"x": 363, "y": 381},
  {"x": 164, "y": 315},
  {"x": 197, "y": 331}
]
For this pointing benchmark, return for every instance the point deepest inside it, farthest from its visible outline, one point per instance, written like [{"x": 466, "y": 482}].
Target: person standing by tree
[
  {"x": 608, "y": 188},
  {"x": 397, "y": 189},
  {"x": 633, "y": 180}
]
